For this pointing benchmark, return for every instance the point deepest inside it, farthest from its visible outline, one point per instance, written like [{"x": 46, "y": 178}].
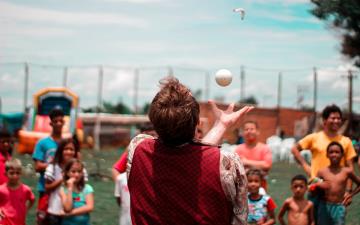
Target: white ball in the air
[{"x": 223, "y": 77}]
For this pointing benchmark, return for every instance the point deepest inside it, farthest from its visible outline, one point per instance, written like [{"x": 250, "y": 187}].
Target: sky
[{"x": 191, "y": 39}]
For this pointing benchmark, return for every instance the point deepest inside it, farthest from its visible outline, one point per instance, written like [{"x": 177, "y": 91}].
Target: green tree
[
  {"x": 145, "y": 109},
  {"x": 118, "y": 108},
  {"x": 307, "y": 108},
  {"x": 249, "y": 100},
  {"x": 108, "y": 107},
  {"x": 92, "y": 109},
  {"x": 343, "y": 15},
  {"x": 197, "y": 94}
]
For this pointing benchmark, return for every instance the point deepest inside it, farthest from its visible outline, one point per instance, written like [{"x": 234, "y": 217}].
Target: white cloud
[
  {"x": 356, "y": 99},
  {"x": 121, "y": 80},
  {"x": 330, "y": 74},
  {"x": 9, "y": 11},
  {"x": 16, "y": 30},
  {"x": 9, "y": 80},
  {"x": 13, "y": 104},
  {"x": 143, "y": 95},
  {"x": 209, "y": 37},
  {"x": 332, "y": 82}
]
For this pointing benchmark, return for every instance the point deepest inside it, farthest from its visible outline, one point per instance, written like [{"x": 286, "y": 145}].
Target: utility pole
[
  {"x": 136, "y": 89},
  {"x": 97, "y": 127},
  {"x": 315, "y": 90},
  {"x": 242, "y": 84},
  {"x": 313, "y": 126},
  {"x": 350, "y": 78},
  {"x": 279, "y": 90},
  {"x": 278, "y": 129},
  {"x": 170, "y": 71},
  {"x": 100, "y": 87},
  {"x": 207, "y": 85},
  {"x": 65, "y": 76},
  {"x": 300, "y": 89},
  {"x": 26, "y": 85}
]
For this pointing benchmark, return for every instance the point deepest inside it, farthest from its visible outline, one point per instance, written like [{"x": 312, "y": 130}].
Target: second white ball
[{"x": 223, "y": 77}]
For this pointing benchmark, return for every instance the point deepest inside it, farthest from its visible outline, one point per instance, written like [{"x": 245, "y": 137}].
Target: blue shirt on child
[
  {"x": 259, "y": 208},
  {"x": 79, "y": 200},
  {"x": 44, "y": 151}
]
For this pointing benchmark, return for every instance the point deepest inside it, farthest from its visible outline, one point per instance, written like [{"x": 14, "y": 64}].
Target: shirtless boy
[
  {"x": 300, "y": 211},
  {"x": 331, "y": 208}
]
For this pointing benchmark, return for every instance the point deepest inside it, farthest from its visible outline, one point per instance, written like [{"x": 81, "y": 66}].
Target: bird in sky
[{"x": 241, "y": 11}]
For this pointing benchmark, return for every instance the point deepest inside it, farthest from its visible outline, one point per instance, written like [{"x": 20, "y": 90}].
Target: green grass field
[{"x": 106, "y": 210}]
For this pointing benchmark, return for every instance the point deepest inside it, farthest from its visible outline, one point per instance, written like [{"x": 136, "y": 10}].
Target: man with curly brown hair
[{"x": 174, "y": 179}]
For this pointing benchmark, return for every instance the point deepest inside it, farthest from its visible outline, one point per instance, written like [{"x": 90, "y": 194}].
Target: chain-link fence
[{"x": 136, "y": 86}]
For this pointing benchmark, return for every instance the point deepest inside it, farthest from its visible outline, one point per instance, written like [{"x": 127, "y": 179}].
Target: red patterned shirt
[{"x": 193, "y": 183}]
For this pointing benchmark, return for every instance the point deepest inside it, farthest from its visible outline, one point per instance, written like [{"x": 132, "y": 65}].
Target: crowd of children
[
  {"x": 16, "y": 198},
  {"x": 66, "y": 198},
  {"x": 329, "y": 189}
]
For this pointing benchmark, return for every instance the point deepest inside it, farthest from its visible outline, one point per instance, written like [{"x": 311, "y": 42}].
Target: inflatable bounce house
[
  {"x": 11, "y": 122},
  {"x": 37, "y": 124}
]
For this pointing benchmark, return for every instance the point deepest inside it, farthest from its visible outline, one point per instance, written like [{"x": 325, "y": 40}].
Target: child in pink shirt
[
  {"x": 253, "y": 153},
  {"x": 15, "y": 197},
  {"x": 5, "y": 153}
]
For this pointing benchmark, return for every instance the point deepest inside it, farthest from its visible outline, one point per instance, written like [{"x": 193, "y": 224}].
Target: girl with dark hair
[
  {"x": 261, "y": 207},
  {"x": 67, "y": 150},
  {"x": 77, "y": 197}
]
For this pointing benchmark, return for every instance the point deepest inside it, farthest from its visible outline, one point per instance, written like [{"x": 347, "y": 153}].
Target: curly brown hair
[{"x": 174, "y": 113}]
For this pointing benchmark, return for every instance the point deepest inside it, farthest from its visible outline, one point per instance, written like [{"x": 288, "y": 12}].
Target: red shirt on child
[
  {"x": 13, "y": 204},
  {"x": 120, "y": 165},
  {"x": 3, "y": 159}
]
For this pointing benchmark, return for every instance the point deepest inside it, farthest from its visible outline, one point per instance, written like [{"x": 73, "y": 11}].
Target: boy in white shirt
[{"x": 122, "y": 196}]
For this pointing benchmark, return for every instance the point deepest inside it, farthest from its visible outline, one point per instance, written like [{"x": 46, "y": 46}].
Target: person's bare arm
[
  {"x": 120, "y": 165},
  {"x": 115, "y": 173},
  {"x": 356, "y": 180},
  {"x": 66, "y": 198},
  {"x": 40, "y": 166},
  {"x": 350, "y": 164},
  {"x": 349, "y": 185},
  {"x": 223, "y": 120},
  {"x": 30, "y": 203},
  {"x": 271, "y": 220},
  {"x": 52, "y": 185},
  {"x": 284, "y": 208},
  {"x": 89, "y": 199},
  {"x": 324, "y": 184},
  {"x": 295, "y": 150},
  {"x": 356, "y": 191},
  {"x": 311, "y": 214},
  {"x": 263, "y": 165}
]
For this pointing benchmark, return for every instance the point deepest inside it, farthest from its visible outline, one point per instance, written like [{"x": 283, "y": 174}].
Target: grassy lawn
[{"x": 106, "y": 210}]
